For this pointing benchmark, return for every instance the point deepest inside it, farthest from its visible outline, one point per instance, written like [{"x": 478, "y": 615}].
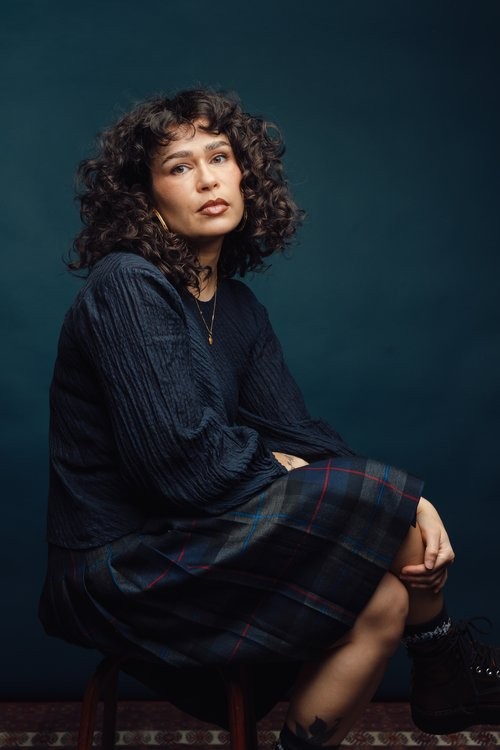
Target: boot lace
[{"x": 480, "y": 658}]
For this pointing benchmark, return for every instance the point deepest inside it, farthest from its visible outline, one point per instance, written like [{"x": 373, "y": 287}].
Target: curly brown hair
[{"x": 115, "y": 188}]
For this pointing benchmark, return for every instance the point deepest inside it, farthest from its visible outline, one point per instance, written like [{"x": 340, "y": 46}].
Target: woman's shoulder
[
  {"x": 127, "y": 273},
  {"x": 243, "y": 308},
  {"x": 240, "y": 294},
  {"x": 123, "y": 263},
  {"x": 122, "y": 284}
]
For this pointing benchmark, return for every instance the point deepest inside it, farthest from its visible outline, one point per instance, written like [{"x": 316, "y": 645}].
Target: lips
[{"x": 214, "y": 208}]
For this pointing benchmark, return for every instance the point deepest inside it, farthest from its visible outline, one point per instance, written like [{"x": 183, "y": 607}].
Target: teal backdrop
[{"x": 388, "y": 306}]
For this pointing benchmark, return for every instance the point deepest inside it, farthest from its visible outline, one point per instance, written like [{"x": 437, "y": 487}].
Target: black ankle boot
[{"x": 455, "y": 682}]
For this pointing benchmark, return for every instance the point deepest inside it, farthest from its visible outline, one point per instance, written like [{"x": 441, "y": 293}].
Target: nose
[{"x": 207, "y": 179}]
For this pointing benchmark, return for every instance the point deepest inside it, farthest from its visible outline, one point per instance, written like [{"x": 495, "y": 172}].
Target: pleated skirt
[{"x": 272, "y": 583}]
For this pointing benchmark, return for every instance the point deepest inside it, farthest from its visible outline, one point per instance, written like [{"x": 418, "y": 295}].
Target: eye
[
  {"x": 220, "y": 158},
  {"x": 179, "y": 169}
]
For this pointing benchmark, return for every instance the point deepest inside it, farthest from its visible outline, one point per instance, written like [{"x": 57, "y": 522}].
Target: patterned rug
[{"x": 153, "y": 724}]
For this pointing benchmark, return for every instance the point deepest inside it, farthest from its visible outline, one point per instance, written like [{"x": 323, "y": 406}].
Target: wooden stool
[{"x": 104, "y": 683}]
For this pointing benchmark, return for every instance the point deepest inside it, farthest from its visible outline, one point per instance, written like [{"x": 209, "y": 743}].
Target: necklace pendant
[{"x": 209, "y": 328}]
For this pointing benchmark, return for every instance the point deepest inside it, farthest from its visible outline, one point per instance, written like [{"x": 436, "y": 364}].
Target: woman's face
[{"x": 196, "y": 186}]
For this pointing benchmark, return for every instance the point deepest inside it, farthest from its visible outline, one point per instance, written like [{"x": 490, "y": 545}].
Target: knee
[{"x": 386, "y": 613}]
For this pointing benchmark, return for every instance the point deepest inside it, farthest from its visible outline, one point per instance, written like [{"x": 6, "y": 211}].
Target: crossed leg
[{"x": 331, "y": 693}]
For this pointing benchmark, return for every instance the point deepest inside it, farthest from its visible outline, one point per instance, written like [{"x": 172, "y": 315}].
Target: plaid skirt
[{"x": 279, "y": 578}]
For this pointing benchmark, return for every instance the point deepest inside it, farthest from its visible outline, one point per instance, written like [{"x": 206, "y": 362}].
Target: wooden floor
[{"x": 153, "y": 724}]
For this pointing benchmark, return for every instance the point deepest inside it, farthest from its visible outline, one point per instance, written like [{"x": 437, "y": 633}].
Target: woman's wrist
[{"x": 288, "y": 461}]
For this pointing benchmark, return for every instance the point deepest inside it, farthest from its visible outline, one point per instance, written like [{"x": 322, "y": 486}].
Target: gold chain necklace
[{"x": 210, "y": 328}]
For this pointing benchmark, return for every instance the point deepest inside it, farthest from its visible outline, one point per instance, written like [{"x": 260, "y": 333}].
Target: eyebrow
[{"x": 183, "y": 154}]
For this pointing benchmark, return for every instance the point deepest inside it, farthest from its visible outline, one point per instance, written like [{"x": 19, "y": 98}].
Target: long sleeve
[
  {"x": 271, "y": 402},
  {"x": 168, "y": 433},
  {"x": 143, "y": 380}
]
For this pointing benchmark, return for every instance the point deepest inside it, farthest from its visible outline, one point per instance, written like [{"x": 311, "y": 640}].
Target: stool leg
[
  {"x": 242, "y": 726},
  {"x": 109, "y": 709},
  {"x": 102, "y": 682}
]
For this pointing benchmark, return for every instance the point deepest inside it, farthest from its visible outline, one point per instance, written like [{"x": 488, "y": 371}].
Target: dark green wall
[{"x": 388, "y": 307}]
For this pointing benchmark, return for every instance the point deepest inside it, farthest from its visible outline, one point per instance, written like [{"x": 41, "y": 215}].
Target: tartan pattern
[{"x": 281, "y": 577}]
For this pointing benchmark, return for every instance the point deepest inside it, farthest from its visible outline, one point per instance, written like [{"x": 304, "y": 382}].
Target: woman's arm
[
  {"x": 166, "y": 415},
  {"x": 272, "y": 403}
]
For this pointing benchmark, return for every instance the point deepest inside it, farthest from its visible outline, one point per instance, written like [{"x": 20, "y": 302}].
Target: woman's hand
[
  {"x": 289, "y": 462},
  {"x": 438, "y": 555}
]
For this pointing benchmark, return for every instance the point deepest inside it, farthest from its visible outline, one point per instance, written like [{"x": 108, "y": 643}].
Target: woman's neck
[
  {"x": 208, "y": 286},
  {"x": 208, "y": 258}
]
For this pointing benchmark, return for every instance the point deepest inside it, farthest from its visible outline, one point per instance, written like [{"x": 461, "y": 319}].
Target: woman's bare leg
[{"x": 331, "y": 693}]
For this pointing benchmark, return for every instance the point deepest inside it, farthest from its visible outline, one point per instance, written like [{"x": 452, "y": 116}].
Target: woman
[{"x": 198, "y": 516}]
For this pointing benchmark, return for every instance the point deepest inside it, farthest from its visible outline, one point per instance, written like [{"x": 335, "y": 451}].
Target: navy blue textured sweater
[{"x": 148, "y": 420}]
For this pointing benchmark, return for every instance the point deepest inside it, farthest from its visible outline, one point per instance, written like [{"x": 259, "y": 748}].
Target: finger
[
  {"x": 425, "y": 584},
  {"x": 432, "y": 578},
  {"x": 435, "y": 584},
  {"x": 441, "y": 584},
  {"x": 432, "y": 550},
  {"x": 427, "y": 577},
  {"x": 422, "y": 570},
  {"x": 413, "y": 570}
]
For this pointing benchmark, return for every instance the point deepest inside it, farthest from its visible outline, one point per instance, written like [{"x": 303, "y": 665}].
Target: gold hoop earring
[
  {"x": 160, "y": 219},
  {"x": 241, "y": 226}
]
